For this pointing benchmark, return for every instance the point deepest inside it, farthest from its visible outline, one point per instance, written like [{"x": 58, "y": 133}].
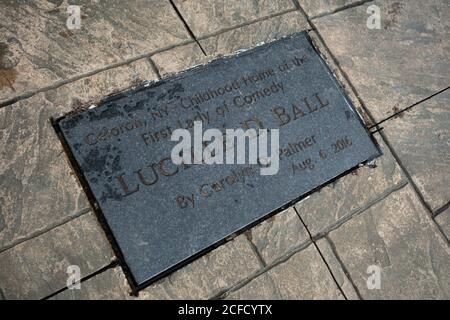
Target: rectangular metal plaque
[{"x": 160, "y": 215}]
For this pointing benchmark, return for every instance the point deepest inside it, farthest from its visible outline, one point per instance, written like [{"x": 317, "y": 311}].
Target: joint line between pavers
[
  {"x": 416, "y": 189},
  {"x": 329, "y": 270},
  {"x": 60, "y": 83},
  {"x": 111, "y": 265},
  {"x": 344, "y": 268},
  {"x": 57, "y": 84},
  {"x": 44, "y": 230},
  {"x": 407, "y": 174},
  {"x": 322, "y": 233},
  {"x": 255, "y": 249},
  {"x": 336, "y": 62},
  {"x": 343, "y": 8},
  {"x": 154, "y": 67},
  {"x": 258, "y": 273},
  {"x": 186, "y": 26},
  {"x": 442, "y": 209},
  {"x": 442, "y": 232},
  {"x": 408, "y": 108},
  {"x": 222, "y": 293},
  {"x": 430, "y": 212},
  {"x": 244, "y": 24},
  {"x": 321, "y": 255}
]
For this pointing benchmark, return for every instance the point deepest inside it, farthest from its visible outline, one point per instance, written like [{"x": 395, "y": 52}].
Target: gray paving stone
[
  {"x": 250, "y": 35},
  {"x": 302, "y": 276},
  {"x": 399, "y": 236},
  {"x": 333, "y": 203},
  {"x": 314, "y": 8},
  {"x": 205, "y": 17},
  {"x": 38, "y": 49},
  {"x": 278, "y": 235},
  {"x": 179, "y": 58},
  {"x": 204, "y": 278},
  {"x": 37, "y": 188},
  {"x": 405, "y": 61},
  {"x": 262, "y": 287},
  {"x": 443, "y": 219},
  {"x": 421, "y": 139},
  {"x": 336, "y": 268},
  {"x": 108, "y": 285},
  {"x": 346, "y": 86},
  {"x": 38, "y": 267}
]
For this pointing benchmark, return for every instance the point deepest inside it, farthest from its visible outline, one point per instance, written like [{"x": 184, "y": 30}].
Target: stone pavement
[{"x": 392, "y": 216}]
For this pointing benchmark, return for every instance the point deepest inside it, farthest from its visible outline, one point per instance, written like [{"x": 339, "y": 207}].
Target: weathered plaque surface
[{"x": 160, "y": 215}]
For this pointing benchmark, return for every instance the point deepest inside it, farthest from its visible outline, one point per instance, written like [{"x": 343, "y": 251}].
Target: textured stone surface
[
  {"x": 156, "y": 235},
  {"x": 391, "y": 68},
  {"x": 336, "y": 201},
  {"x": 397, "y": 235},
  {"x": 205, "y": 17},
  {"x": 108, "y": 285},
  {"x": 179, "y": 58},
  {"x": 443, "y": 219},
  {"x": 255, "y": 33},
  {"x": 38, "y": 49},
  {"x": 36, "y": 186},
  {"x": 204, "y": 278},
  {"x": 328, "y": 57},
  {"x": 303, "y": 276},
  {"x": 421, "y": 139},
  {"x": 315, "y": 8},
  {"x": 278, "y": 235},
  {"x": 38, "y": 267},
  {"x": 336, "y": 268},
  {"x": 405, "y": 61},
  {"x": 262, "y": 287}
]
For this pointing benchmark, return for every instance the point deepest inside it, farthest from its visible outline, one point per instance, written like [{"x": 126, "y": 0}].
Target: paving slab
[
  {"x": 342, "y": 280},
  {"x": 206, "y": 17},
  {"x": 405, "y": 61},
  {"x": 179, "y": 58},
  {"x": 250, "y": 35},
  {"x": 278, "y": 235},
  {"x": 397, "y": 236},
  {"x": 262, "y": 287},
  {"x": 186, "y": 56},
  {"x": 38, "y": 267},
  {"x": 340, "y": 76},
  {"x": 421, "y": 139},
  {"x": 204, "y": 278},
  {"x": 38, "y": 49},
  {"x": 37, "y": 189},
  {"x": 111, "y": 284},
  {"x": 334, "y": 203},
  {"x": 314, "y": 8},
  {"x": 303, "y": 276}
]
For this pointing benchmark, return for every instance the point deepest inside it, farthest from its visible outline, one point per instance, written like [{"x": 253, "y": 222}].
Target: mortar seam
[
  {"x": 321, "y": 255},
  {"x": 280, "y": 260},
  {"x": 110, "y": 265},
  {"x": 45, "y": 229},
  {"x": 343, "y": 267},
  {"x": 357, "y": 211}
]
